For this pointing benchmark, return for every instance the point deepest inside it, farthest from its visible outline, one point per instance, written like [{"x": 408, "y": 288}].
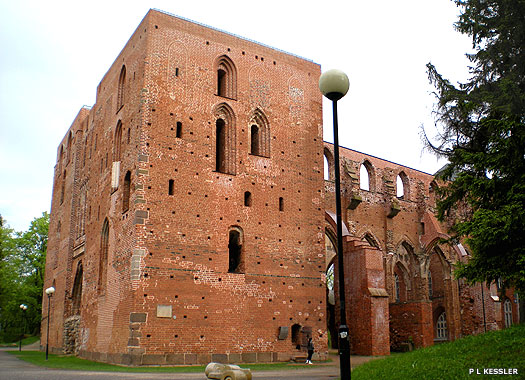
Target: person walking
[{"x": 310, "y": 347}]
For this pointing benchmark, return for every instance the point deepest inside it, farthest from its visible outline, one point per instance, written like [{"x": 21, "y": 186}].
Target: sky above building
[{"x": 54, "y": 54}]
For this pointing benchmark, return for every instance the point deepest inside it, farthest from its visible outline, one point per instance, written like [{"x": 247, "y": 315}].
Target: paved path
[{"x": 12, "y": 368}]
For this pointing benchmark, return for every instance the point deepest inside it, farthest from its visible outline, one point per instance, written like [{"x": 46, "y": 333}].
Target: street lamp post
[
  {"x": 23, "y": 308},
  {"x": 334, "y": 85},
  {"x": 49, "y": 292}
]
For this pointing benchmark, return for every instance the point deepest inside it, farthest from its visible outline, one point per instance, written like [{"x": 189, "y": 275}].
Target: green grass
[
  {"x": 496, "y": 349},
  {"x": 73, "y": 363},
  {"x": 25, "y": 341}
]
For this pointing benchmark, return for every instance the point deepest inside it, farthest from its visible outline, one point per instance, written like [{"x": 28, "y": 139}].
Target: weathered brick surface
[{"x": 145, "y": 213}]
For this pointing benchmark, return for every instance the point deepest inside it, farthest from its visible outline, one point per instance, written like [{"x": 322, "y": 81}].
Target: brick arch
[
  {"x": 226, "y": 77},
  {"x": 225, "y": 139},
  {"x": 327, "y": 153},
  {"x": 259, "y": 143},
  {"x": 370, "y": 173}
]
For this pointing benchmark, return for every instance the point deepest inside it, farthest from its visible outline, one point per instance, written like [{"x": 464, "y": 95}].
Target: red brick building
[{"x": 190, "y": 216}]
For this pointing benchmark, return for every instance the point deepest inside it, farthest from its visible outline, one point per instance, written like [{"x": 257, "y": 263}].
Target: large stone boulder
[{"x": 220, "y": 371}]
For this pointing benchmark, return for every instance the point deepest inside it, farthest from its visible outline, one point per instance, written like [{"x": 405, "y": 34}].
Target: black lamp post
[
  {"x": 49, "y": 292},
  {"x": 334, "y": 85},
  {"x": 23, "y": 308}
]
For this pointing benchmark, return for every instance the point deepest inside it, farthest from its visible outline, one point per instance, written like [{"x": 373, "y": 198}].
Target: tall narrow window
[
  {"x": 126, "y": 189},
  {"x": 76, "y": 294},
  {"x": 296, "y": 336},
  {"x": 170, "y": 187},
  {"x": 226, "y": 78},
  {"x": 117, "y": 142},
  {"x": 63, "y": 188},
  {"x": 259, "y": 134},
  {"x": 441, "y": 327},
  {"x": 235, "y": 264},
  {"x": 121, "y": 82},
  {"x": 220, "y": 150},
  {"x": 281, "y": 204},
  {"x": 179, "y": 130},
  {"x": 364, "y": 181},
  {"x": 103, "y": 263},
  {"x": 507, "y": 310},
  {"x": 248, "y": 199},
  {"x": 69, "y": 147},
  {"x": 254, "y": 140},
  {"x": 402, "y": 186}
]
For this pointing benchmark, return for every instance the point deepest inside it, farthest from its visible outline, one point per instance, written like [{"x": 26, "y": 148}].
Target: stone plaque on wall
[{"x": 164, "y": 311}]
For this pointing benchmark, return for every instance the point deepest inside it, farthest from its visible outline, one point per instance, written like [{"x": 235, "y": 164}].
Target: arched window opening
[
  {"x": 255, "y": 140},
  {"x": 235, "y": 264},
  {"x": 221, "y": 83},
  {"x": 171, "y": 184},
  {"x": 226, "y": 78},
  {"x": 259, "y": 134},
  {"x": 178, "y": 132},
  {"x": 402, "y": 186},
  {"x": 61, "y": 159},
  {"x": 296, "y": 336},
  {"x": 104, "y": 251},
  {"x": 247, "y": 199},
  {"x": 69, "y": 147},
  {"x": 77, "y": 290},
  {"x": 121, "y": 82},
  {"x": 126, "y": 190},
  {"x": 63, "y": 188},
  {"x": 117, "y": 142},
  {"x": 364, "y": 178},
  {"x": 220, "y": 155},
  {"x": 430, "y": 284},
  {"x": 326, "y": 169},
  {"x": 330, "y": 283},
  {"x": 281, "y": 204},
  {"x": 507, "y": 311},
  {"x": 441, "y": 327}
]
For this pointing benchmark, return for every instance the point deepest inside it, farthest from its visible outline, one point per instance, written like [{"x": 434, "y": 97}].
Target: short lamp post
[
  {"x": 334, "y": 85},
  {"x": 49, "y": 292},
  {"x": 23, "y": 307}
]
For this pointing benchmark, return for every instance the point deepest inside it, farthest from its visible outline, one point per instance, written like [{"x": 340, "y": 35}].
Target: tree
[
  {"x": 22, "y": 264},
  {"x": 482, "y": 134}
]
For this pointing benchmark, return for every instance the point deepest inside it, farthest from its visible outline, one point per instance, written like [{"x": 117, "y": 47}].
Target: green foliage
[
  {"x": 483, "y": 138},
  {"x": 495, "y": 349},
  {"x": 22, "y": 264}
]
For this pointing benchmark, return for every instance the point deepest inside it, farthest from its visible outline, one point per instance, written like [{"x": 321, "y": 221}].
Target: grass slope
[{"x": 495, "y": 349}]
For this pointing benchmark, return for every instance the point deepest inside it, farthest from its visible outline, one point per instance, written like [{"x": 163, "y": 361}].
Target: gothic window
[
  {"x": 126, "y": 190},
  {"x": 220, "y": 155},
  {"x": 364, "y": 181},
  {"x": 117, "y": 142},
  {"x": 370, "y": 240},
  {"x": 63, "y": 188},
  {"x": 235, "y": 251},
  {"x": 328, "y": 164},
  {"x": 103, "y": 262},
  {"x": 225, "y": 140},
  {"x": 402, "y": 186},
  {"x": 226, "y": 78},
  {"x": 77, "y": 289},
  {"x": 259, "y": 134},
  {"x": 441, "y": 327},
  {"x": 507, "y": 311},
  {"x": 60, "y": 158},
  {"x": 248, "y": 199},
  {"x": 121, "y": 82}
]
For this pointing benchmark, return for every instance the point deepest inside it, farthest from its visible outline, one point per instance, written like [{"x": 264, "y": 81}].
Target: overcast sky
[{"x": 53, "y": 54}]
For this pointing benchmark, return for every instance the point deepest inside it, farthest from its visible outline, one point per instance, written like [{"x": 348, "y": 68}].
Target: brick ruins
[{"x": 191, "y": 221}]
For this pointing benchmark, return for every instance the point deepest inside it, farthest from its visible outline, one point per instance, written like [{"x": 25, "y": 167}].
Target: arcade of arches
[{"x": 400, "y": 289}]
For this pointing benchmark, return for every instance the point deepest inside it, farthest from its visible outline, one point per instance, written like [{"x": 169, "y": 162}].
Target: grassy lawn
[
  {"x": 74, "y": 363},
  {"x": 25, "y": 341},
  {"x": 496, "y": 349}
]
